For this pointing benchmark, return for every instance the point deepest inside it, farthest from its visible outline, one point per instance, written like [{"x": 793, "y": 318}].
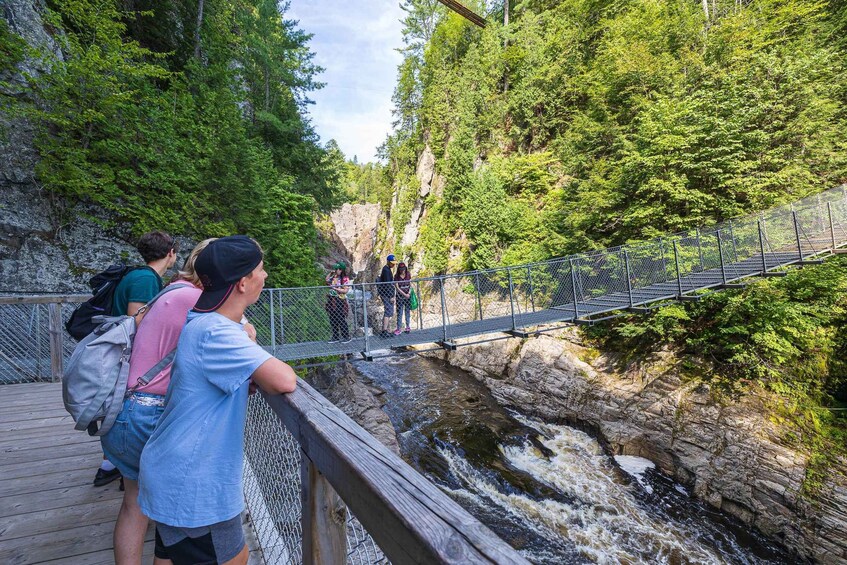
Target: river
[{"x": 549, "y": 489}]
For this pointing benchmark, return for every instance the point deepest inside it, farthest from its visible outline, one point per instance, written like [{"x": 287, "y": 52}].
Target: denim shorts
[
  {"x": 388, "y": 303},
  {"x": 123, "y": 443}
]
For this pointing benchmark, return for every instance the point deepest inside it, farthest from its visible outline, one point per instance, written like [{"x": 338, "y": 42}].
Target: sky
[{"x": 355, "y": 41}]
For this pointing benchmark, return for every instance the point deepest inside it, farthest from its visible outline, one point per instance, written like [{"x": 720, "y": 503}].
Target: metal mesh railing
[
  {"x": 272, "y": 492},
  {"x": 25, "y": 342}
]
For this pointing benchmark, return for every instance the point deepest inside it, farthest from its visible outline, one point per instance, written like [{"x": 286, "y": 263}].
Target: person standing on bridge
[
  {"x": 385, "y": 289},
  {"x": 336, "y": 303},
  {"x": 190, "y": 480},
  {"x": 404, "y": 296}
]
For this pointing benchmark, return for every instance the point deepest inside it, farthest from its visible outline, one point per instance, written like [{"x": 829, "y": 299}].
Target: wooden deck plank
[
  {"x": 50, "y": 497},
  {"x": 50, "y": 512},
  {"x": 65, "y": 464},
  {"x": 83, "y": 477}
]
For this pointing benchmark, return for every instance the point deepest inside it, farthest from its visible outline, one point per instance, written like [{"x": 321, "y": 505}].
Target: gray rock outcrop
[
  {"x": 731, "y": 452},
  {"x": 340, "y": 385},
  {"x": 354, "y": 233}
]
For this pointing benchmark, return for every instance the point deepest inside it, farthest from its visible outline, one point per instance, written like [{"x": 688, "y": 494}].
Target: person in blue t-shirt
[
  {"x": 138, "y": 287},
  {"x": 190, "y": 479}
]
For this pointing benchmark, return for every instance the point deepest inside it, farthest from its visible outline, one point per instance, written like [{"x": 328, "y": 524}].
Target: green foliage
[{"x": 199, "y": 131}]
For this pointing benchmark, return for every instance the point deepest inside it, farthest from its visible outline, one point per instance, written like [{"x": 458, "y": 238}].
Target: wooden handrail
[
  {"x": 410, "y": 519},
  {"x": 45, "y": 299}
]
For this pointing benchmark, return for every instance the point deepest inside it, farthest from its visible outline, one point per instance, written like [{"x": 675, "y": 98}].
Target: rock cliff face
[
  {"x": 36, "y": 254},
  {"x": 729, "y": 452},
  {"x": 354, "y": 235},
  {"x": 341, "y": 386}
]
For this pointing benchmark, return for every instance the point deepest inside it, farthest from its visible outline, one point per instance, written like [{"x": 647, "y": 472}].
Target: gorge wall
[
  {"x": 37, "y": 254},
  {"x": 730, "y": 453}
]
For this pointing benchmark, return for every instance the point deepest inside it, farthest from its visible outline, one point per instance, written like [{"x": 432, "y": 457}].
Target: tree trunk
[{"x": 197, "y": 29}]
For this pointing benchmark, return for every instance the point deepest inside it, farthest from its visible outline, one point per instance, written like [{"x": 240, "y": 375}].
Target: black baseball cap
[{"x": 222, "y": 264}]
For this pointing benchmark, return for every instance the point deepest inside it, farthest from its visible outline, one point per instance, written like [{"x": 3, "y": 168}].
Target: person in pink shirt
[{"x": 149, "y": 375}]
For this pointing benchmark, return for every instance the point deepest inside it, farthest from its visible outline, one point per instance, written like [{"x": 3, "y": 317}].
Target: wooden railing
[{"x": 410, "y": 518}]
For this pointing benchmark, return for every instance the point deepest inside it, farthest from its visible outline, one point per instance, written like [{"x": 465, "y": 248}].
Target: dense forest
[
  {"x": 582, "y": 124},
  {"x": 187, "y": 116}
]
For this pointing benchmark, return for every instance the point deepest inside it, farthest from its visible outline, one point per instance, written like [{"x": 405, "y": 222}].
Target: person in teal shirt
[
  {"x": 137, "y": 288},
  {"x": 140, "y": 285}
]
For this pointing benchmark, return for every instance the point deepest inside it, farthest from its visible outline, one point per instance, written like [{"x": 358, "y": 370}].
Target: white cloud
[{"x": 356, "y": 42}]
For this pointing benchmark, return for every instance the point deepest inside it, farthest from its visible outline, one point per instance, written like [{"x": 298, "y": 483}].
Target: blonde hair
[{"x": 187, "y": 273}]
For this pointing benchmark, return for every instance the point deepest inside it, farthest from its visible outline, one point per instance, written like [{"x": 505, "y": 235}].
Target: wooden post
[
  {"x": 54, "y": 313},
  {"x": 324, "y": 518}
]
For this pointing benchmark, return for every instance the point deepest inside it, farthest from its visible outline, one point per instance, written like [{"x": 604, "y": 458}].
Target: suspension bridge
[{"x": 585, "y": 288}]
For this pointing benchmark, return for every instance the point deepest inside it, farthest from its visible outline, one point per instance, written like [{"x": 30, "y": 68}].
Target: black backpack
[{"x": 103, "y": 286}]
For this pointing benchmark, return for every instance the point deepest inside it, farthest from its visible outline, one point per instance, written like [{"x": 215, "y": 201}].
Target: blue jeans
[
  {"x": 403, "y": 306},
  {"x": 123, "y": 443}
]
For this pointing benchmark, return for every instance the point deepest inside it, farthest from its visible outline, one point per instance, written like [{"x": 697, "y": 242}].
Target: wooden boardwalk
[{"x": 49, "y": 510}]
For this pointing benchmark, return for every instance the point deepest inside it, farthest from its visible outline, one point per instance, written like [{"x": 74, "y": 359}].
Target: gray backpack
[{"x": 95, "y": 378}]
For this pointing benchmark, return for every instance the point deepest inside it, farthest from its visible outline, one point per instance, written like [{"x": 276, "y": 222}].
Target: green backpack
[{"x": 413, "y": 301}]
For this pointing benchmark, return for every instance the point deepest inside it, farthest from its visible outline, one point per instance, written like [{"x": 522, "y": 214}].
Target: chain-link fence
[
  {"x": 25, "y": 354},
  {"x": 272, "y": 491}
]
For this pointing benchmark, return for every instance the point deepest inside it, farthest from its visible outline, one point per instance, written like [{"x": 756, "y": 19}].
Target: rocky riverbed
[{"x": 729, "y": 452}]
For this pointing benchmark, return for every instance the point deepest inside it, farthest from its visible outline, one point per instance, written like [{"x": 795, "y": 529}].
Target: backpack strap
[
  {"x": 153, "y": 371},
  {"x": 167, "y": 359},
  {"x": 163, "y": 292}
]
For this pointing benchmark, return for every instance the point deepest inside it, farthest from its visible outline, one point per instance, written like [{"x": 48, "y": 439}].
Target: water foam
[{"x": 604, "y": 521}]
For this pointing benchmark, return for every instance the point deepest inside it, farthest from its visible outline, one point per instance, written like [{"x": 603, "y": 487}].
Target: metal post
[
  {"x": 664, "y": 261},
  {"x": 511, "y": 297},
  {"x": 676, "y": 261},
  {"x": 573, "y": 287},
  {"x": 273, "y": 322},
  {"x": 420, "y": 305},
  {"x": 531, "y": 293},
  {"x": 628, "y": 280},
  {"x": 700, "y": 251},
  {"x": 365, "y": 322},
  {"x": 732, "y": 236},
  {"x": 831, "y": 225},
  {"x": 443, "y": 311},
  {"x": 797, "y": 233},
  {"x": 720, "y": 252},
  {"x": 762, "y": 247},
  {"x": 478, "y": 295},
  {"x": 281, "y": 319}
]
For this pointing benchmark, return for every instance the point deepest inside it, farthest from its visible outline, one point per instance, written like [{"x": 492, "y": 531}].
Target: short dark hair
[{"x": 156, "y": 245}]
